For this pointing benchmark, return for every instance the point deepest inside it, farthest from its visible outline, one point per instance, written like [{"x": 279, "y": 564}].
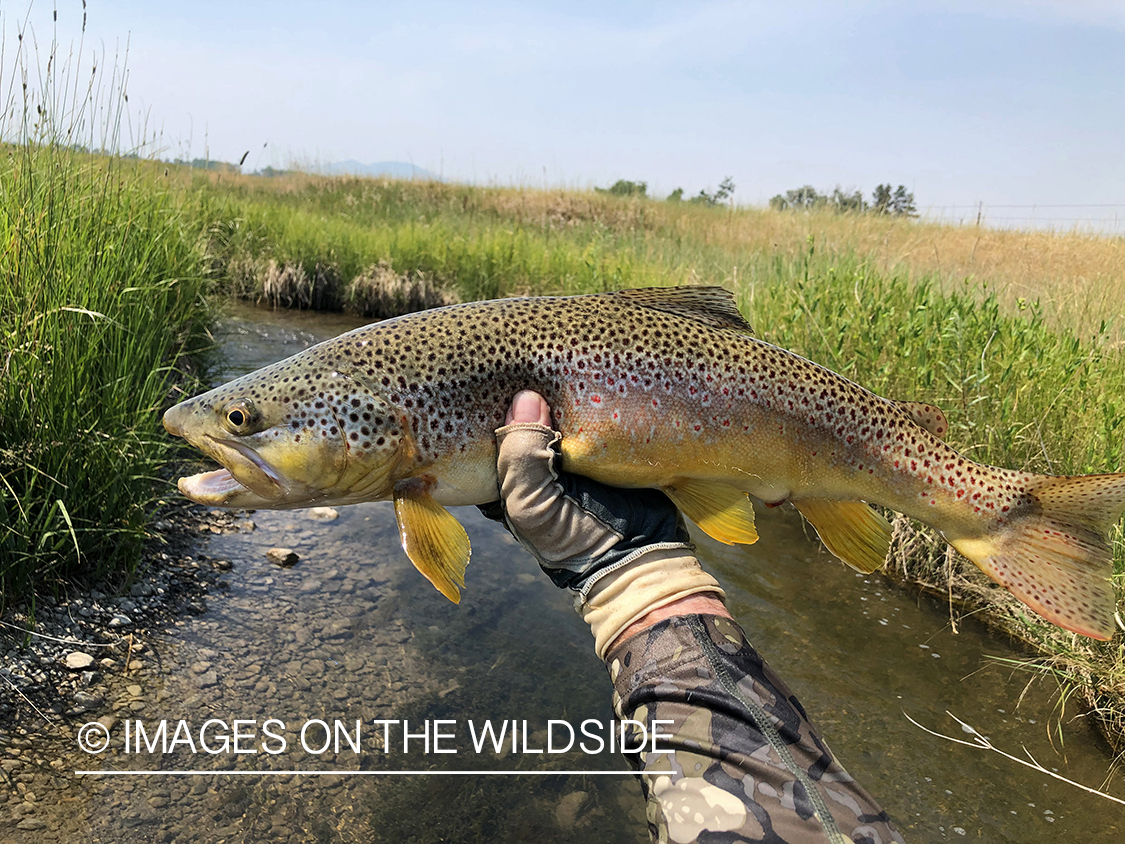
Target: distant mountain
[{"x": 389, "y": 169}]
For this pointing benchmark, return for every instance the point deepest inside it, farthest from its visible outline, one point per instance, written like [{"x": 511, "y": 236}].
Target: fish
[{"x": 664, "y": 388}]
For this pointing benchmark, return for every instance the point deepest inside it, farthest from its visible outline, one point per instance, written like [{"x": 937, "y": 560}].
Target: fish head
[{"x": 292, "y": 435}]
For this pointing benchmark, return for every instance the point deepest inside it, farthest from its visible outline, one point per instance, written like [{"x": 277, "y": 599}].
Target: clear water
[{"x": 352, "y": 631}]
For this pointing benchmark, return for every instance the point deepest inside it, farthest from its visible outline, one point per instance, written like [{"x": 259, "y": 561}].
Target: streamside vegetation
[{"x": 101, "y": 293}]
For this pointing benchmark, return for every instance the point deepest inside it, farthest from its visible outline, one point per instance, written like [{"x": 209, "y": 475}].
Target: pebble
[
  {"x": 76, "y": 660},
  {"x": 284, "y": 557},
  {"x": 120, "y": 621},
  {"x": 323, "y": 514}
]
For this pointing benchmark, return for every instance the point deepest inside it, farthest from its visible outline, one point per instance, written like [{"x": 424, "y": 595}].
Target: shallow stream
[{"x": 352, "y": 631}]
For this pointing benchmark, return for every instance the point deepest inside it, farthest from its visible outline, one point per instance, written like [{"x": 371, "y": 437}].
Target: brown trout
[{"x": 663, "y": 388}]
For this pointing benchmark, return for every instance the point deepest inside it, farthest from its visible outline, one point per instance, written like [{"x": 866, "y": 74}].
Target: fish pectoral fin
[
  {"x": 723, "y": 512},
  {"x": 849, "y": 529},
  {"x": 432, "y": 538},
  {"x": 929, "y": 416}
]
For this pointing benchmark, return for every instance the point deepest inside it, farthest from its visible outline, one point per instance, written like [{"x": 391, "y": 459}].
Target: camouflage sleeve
[{"x": 747, "y": 765}]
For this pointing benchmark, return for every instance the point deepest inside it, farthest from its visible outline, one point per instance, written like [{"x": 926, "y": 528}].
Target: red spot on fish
[{"x": 596, "y": 399}]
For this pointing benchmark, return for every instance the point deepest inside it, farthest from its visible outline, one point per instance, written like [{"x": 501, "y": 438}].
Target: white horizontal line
[{"x": 114, "y": 773}]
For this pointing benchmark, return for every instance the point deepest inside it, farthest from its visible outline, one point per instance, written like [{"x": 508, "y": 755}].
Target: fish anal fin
[
  {"x": 929, "y": 416},
  {"x": 849, "y": 529},
  {"x": 1053, "y": 555},
  {"x": 713, "y": 306},
  {"x": 432, "y": 538},
  {"x": 723, "y": 512}
]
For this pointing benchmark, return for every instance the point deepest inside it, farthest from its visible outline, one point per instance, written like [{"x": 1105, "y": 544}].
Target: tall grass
[{"x": 100, "y": 291}]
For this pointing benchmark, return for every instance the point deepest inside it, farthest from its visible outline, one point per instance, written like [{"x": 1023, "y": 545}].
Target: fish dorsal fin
[
  {"x": 713, "y": 306},
  {"x": 433, "y": 540},
  {"x": 849, "y": 529},
  {"x": 929, "y": 416},
  {"x": 723, "y": 512}
]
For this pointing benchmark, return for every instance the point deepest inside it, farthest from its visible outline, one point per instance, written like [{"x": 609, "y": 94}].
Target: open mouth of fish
[{"x": 242, "y": 470}]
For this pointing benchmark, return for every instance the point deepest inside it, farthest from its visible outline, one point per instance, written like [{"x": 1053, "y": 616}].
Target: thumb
[{"x": 529, "y": 406}]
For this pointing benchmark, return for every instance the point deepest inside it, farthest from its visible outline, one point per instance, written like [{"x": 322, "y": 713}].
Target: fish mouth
[{"x": 244, "y": 474}]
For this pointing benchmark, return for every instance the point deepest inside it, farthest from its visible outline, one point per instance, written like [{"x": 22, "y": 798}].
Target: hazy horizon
[{"x": 1013, "y": 104}]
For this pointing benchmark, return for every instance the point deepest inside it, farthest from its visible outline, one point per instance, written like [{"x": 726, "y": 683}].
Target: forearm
[{"x": 745, "y": 757}]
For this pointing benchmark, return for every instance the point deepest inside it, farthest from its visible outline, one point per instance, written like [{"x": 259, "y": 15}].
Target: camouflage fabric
[{"x": 747, "y": 763}]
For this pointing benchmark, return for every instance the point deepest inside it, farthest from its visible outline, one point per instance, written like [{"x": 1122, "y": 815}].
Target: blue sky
[{"x": 1001, "y": 102}]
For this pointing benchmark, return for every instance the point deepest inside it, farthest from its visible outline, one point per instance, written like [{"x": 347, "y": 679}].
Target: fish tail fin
[{"x": 1051, "y": 552}]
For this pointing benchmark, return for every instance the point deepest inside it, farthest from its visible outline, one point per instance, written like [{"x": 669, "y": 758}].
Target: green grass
[{"x": 101, "y": 289}]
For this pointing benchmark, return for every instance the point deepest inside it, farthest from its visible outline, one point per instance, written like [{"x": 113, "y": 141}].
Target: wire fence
[{"x": 1104, "y": 218}]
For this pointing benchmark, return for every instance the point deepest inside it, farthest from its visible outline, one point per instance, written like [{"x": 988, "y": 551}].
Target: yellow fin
[
  {"x": 1052, "y": 552},
  {"x": 849, "y": 529},
  {"x": 929, "y": 416},
  {"x": 433, "y": 540},
  {"x": 723, "y": 512}
]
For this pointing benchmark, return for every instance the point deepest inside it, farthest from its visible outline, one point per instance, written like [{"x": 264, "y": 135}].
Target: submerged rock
[{"x": 284, "y": 557}]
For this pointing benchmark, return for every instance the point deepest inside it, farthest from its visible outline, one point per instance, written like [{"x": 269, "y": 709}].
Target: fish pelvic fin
[
  {"x": 722, "y": 511},
  {"x": 929, "y": 416},
  {"x": 1052, "y": 553},
  {"x": 713, "y": 306},
  {"x": 851, "y": 530},
  {"x": 432, "y": 538}
]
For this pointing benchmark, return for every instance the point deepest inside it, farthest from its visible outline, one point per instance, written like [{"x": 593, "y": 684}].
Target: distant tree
[
  {"x": 881, "y": 199},
  {"x": 725, "y": 191},
  {"x": 902, "y": 203},
  {"x": 843, "y": 203},
  {"x": 623, "y": 187},
  {"x": 898, "y": 202},
  {"x": 676, "y": 196},
  {"x": 804, "y": 198},
  {"x": 208, "y": 164}
]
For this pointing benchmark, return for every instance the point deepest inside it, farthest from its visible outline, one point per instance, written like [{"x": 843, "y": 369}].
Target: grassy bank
[
  {"x": 1024, "y": 353},
  {"x": 101, "y": 292}
]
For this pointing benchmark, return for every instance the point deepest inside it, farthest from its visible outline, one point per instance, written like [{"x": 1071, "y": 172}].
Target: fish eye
[{"x": 240, "y": 416}]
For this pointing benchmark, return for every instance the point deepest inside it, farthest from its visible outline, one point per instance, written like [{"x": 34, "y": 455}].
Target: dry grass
[
  {"x": 1079, "y": 278},
  {"x": 380, "y": 292}
]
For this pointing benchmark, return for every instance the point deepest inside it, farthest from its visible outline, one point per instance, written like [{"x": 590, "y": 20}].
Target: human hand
[{"x": 626, "y": 553}]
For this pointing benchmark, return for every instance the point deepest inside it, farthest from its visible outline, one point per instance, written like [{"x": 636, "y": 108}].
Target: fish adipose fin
[
  {"x": 849, "y": 529},
  {"x": 713, "y": 306},
  {"x": 930, "y": 417},
  {"x": 1052, "y": 552},
  {"x": 723, "y": 512},
  {"x": 433, "y": 540}
]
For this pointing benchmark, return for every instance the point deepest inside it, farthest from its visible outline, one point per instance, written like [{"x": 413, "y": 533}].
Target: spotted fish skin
[{"x": 652, "y": 388}]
